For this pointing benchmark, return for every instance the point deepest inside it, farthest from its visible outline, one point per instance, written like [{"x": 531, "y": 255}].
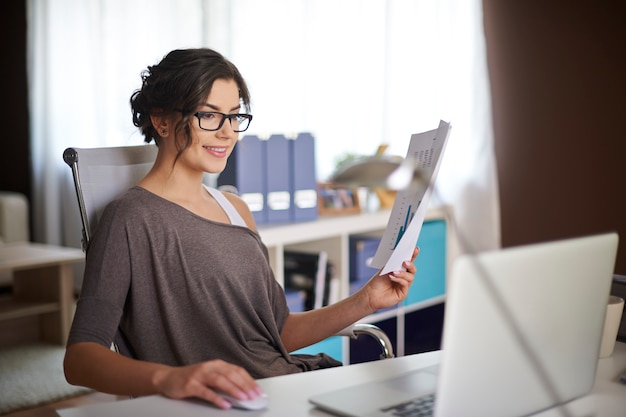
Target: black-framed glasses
[{"x": 213, "y": 120}]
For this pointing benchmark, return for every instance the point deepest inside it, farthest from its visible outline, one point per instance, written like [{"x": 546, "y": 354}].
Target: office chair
[{"x": 101, "y": 174}]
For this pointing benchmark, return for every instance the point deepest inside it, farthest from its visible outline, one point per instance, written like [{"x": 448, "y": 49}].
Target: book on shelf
[{"x": 310, "y": 274}]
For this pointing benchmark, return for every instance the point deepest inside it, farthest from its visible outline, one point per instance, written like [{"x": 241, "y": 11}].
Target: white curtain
[{"x": 355, "y": 73}]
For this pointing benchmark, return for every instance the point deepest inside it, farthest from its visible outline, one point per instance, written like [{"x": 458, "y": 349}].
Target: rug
[{"x": 32, "y": 376}]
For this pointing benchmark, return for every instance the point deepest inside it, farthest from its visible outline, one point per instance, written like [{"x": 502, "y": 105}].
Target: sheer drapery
[
  {"x": 355, "y": 73},
  {"x": 84, "y": 61}
]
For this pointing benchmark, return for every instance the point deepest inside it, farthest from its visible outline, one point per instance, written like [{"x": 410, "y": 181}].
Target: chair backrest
[{"x": 101, "y": 174}]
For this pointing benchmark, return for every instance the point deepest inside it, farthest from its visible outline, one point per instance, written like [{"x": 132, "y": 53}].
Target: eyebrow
[{"x": 237, "y": 107}]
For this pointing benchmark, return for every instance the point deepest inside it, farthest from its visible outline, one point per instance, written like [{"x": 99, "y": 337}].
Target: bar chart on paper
[{"x": 409, "y": 209}]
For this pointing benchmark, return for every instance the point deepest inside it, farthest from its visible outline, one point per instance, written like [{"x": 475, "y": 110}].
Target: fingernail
[{"x": 240, "y": 395}]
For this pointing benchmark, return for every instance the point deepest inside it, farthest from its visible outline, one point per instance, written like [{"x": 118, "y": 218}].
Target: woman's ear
[{"x": 160, "y": 124}]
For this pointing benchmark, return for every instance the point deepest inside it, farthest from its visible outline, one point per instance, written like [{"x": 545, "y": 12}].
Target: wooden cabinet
[
  {"x": 42, "y": 300},
  {"x": 402, "y": 323}
]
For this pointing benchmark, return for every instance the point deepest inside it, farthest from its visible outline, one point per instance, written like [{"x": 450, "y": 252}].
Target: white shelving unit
[{"x": 332, "y": 234}]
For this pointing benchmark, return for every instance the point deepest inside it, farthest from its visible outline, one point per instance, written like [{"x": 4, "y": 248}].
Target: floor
[{"x": 49, "y": 410}]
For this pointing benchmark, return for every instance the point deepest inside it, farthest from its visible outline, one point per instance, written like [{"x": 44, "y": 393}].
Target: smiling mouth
[{"x": 220, "y": 149}]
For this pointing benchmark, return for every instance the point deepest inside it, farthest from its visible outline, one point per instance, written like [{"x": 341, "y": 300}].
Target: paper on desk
[{"x": 410, "y": 205}]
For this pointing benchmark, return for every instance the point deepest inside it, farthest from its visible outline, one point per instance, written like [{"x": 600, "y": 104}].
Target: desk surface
[
  {"x": 289, "y": 394},
  {"x": 26, "y": 255}
]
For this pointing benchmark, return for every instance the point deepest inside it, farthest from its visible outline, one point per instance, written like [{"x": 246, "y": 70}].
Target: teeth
[{"x": 212, "y": 148}]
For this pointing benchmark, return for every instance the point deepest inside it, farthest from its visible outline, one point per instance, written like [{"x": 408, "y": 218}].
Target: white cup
[{"x": 614, "y": 310}]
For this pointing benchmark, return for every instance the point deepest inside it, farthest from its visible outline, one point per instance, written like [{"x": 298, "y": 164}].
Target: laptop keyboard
[{"x": 419, "y": 407}]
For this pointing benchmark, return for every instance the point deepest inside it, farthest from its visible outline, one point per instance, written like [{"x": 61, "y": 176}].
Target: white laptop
[{"x": 522, "y": 334}]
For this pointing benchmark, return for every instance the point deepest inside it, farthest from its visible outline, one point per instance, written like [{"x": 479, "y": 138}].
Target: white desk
[
  {"x": 289, "y": 394},
  {"x": 43, "y": 286}
]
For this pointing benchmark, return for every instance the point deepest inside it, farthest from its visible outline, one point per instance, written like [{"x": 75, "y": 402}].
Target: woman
[{"x": 176, "y": 274}]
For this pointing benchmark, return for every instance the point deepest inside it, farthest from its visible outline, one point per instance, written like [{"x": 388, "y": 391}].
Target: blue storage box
[{"x": 362, "y": 249}]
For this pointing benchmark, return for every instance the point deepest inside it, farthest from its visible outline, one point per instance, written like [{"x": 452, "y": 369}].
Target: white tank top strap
[{"x": 232, "y": 213}]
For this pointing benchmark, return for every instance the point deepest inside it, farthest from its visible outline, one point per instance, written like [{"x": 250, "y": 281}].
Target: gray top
[{"x": 171, "y": 287}]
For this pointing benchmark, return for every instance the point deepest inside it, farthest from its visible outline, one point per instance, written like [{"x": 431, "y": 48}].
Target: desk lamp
[{"x": 380, "y": 171}]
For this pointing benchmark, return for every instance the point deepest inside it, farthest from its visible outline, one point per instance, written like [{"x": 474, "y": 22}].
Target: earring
[{"x": 163, "y": 131}]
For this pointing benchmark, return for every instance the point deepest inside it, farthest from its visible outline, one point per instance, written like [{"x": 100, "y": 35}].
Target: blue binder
[
  {"x": 277, "y": 166},
  {"x": 362, "y": 249},
  {"x": 303, "y": 185},
  {"x": 246, "y": 171}
]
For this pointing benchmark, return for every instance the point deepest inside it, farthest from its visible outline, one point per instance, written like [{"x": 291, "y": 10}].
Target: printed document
[{"x": 409, "y": 208}]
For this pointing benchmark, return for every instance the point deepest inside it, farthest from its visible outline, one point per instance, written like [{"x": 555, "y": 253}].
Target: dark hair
[{"x": 181, "y": 83}]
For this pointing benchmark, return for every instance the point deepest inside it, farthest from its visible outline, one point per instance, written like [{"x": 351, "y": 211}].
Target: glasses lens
[
  {"x": 210, "y": 121},
  {"x": 240, "y": 122}
]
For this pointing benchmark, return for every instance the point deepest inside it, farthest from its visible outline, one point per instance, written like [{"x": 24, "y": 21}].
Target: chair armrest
[{"x": 373, "y": 331}]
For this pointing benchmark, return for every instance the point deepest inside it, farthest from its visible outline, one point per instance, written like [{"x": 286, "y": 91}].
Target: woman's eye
[{"x": 208, "y": 116}]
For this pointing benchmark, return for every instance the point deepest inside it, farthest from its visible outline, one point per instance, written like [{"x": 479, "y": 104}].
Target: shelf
[
  {"x": 28, "y": 255},
  {"x": 332, "y": 234},
  {"x": 323, "y": 227},
  {"x": 10, "y": 309},
  {"x": 42, "y": 290}
]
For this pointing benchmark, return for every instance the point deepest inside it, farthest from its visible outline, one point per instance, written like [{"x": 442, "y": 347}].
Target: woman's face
[{"x": 210, "y": 150}]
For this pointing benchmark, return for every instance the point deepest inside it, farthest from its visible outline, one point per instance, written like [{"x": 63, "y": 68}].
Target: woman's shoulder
[
  {"x": 131, "y": 196},
  {"x": 133, "y": 200}
]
